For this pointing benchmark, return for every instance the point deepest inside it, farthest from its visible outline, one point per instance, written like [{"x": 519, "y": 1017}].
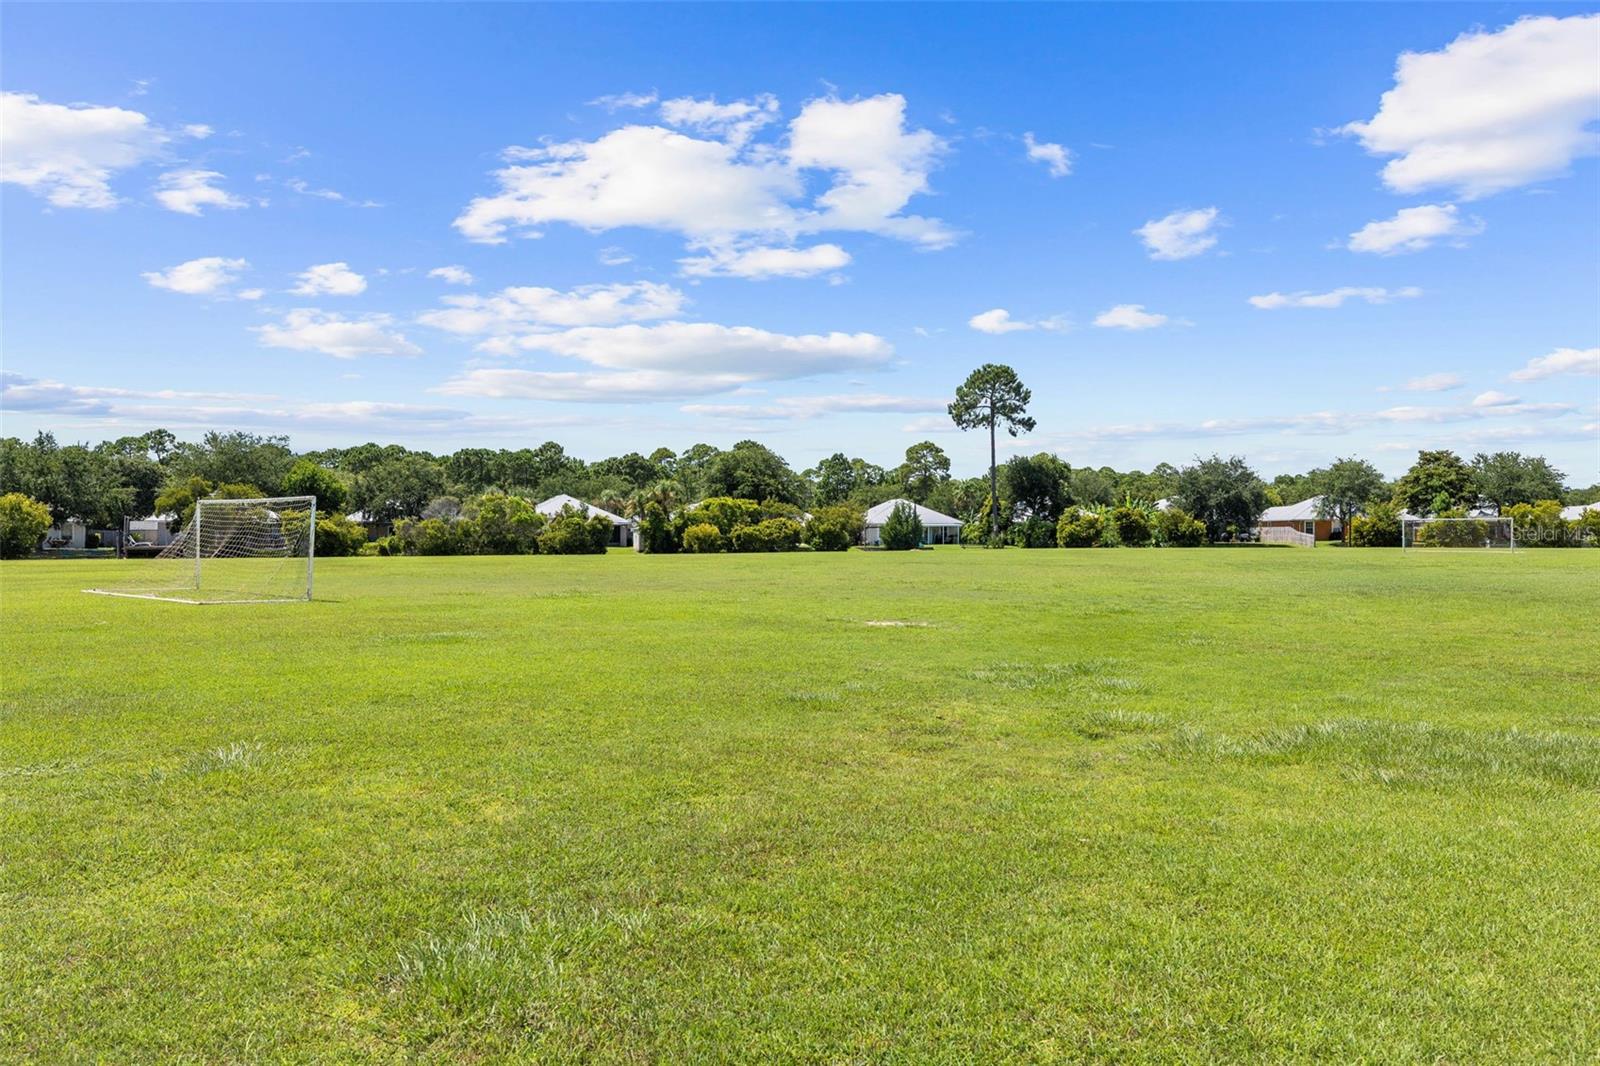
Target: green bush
[
  {"x": 1080, "y": 529},
  {"x": 1132, "y": 526},
  {"x": 771, "y": 535},
  {"x": 1177, "y": 528},
  {"x": 1033, "y": 532},
  {"x": 23, "y": 521},
  {"x": 727, "y": 513},
  {"x": 902, "y": 530},
  {"x": 505, "y": 525},
  {"x": 1451, "y": 534},
  {"x": 433, "y": 536},
  {"x": 338, "y": 536},
  {"x": 703, "y": 537},
  {"x": 834, "y": 528},
  {"x": 1378, "y": 528},
  {"x": 1586, "y": 530},
  {"x": 655, "y": 531},
  {"x": 572, "y": 532},
  {"x": 1540, "y": 525}
]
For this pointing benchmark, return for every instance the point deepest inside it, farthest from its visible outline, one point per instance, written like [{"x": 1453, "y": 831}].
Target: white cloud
[
  {"x": 999, "y": 320},
  {"x": 310, "y": 330},
  {"x": 189, "y": 191},
  {"x": 1434, "y": 383},
  {"x": 1054, "y": 156},
  {"x": 330, "y": 279},
  {"x": 452, "y": 275},
  {"x": 798, "y": 408},
  {"x": 1129, "y": 316},
  {"x": 671, "y": 360},
  {"x": 735, "y": 123},
  {"x": 614, "y": 256},
  {"x": 1180, "y": 235},
  {"x": 1491, "y": 111},
  {"x": 198, "y": 277},
  {"x": 304, "y": 188},
  {"x": 761, "y": 262},
  {"x": 251, "y": 294},
  {"x": 1561, "y": 361},
  {"x": 619, "y": 101},
  {"x": 69, "y": 153},
  {"x": 1493, "y": 399},
  {"x": 1334, "y": 298},
  {"x": 1414, "y": 228},
  {"x": 713, "y": 190},
  {"x": 527, "y": 308}
]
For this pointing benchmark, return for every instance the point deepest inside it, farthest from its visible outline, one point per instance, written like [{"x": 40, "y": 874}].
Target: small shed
[
  {"x": 937, "y": 528},
  {"x": 1302, "y": 517}
]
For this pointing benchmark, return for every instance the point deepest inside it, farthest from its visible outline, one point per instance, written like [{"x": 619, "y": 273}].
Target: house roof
[
  {"x": 1304, "y": 511},
  {"x": 877, "y": 516},
  {"x": 554, "y": 504},
  {"x": 1576, "y": 511}
]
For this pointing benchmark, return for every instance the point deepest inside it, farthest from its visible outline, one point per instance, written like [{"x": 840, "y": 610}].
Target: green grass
[{"x": 1142, "y": 805}]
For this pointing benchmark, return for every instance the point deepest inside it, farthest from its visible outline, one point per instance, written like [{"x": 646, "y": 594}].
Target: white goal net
[
  {"x": 1459, "y": 533},
  {"x": 232, "y": 551}
]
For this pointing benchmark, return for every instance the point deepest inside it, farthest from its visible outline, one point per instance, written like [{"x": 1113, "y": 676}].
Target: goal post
[
  {"x": 1486, "y": 532},
  {"x": 232, "y": 551}
]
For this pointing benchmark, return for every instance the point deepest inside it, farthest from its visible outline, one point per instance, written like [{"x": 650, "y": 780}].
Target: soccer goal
[
  {"x": 232, "y": 551},
  {"x": 1460, "y": 533}
]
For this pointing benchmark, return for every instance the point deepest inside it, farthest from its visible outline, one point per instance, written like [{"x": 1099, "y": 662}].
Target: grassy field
[{"x": 1145, "y": 805}]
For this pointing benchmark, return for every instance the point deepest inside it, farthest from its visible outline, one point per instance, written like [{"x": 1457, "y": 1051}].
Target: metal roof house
[
  {"x": 937, "y": 528},
  {"x": 621, "y": 528},
  {"x": 1303, "y": 518}
]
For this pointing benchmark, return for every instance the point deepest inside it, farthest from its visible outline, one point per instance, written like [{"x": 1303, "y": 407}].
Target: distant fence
[{"x": 1285, "y": 535}]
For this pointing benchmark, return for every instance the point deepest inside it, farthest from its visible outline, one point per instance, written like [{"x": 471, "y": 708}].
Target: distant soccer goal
[
  {"x": 232, "y": 551},
  {"x": 1458, "y": 533}
]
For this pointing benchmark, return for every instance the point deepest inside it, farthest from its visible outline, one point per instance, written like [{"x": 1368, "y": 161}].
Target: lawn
[{"x": 954, "y": 805}]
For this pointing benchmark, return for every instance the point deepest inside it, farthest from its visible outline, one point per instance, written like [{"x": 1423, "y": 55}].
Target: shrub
[
  {"x": 338, "y": 536},
  {"x": 1132, "y": 526},
  {"x": 1032, "y": 532},
  {"x": 727, "y": 512},
  {"x": 1080, "y": 529},
  {"x": 835, "y": 528},
  {"x": 703, "y": 537},
  {"x": 1540, "y": 525},
  {"x": 1586, "y": 530},
  {"x": 1451, "y": 534},
  {"x": 771, "y": 535},
  {"x": 902, "y": 530},
  {"x": 91, "y": 539},
  {"x": 23, "y": 521},
  {"x": 572, "y": 532},
  {"x": 1378, "y": 528},
  {"x": 506, "y": 525},
  {"x": 1177, "y": 528},
  {"x": 655, "y": 531},
  {"x": 433, "y": 536}
]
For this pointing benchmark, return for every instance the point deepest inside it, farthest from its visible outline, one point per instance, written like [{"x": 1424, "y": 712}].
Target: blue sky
[{"x": 1189, "y": 228}]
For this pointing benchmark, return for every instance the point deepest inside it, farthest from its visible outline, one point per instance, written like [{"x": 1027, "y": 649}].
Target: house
[
  {"x": 156, "y": 530},
  {"x": 936, "y": 528},
  {"x": 71, "y": 534},
  {"x": 621, "y": 528},
  {"x": 1577, "y": 511},
  {"x": 1302, "y": 517}
]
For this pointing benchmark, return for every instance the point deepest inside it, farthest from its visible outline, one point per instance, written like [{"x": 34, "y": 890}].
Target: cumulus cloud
[
  {"x": 735, "y": 123},
  {"x": 198, "y": 277},
  {"x": 669, "y": 361},
  {"x": 765, "y": 262},
  {"x": 1491, "y": 110},
  {"x": 189, "y": 192},
  {"x": 999, "y": 321},
  {"x": 330, "y": 279},
  {"x": 68, "y": 154},
  {"x": 1334, "y": 298},
  {"x": 1434, "y": 383},
  {"x": 1561, "y": 361},
  {"x": 1129, "y": 316},
  {"x": 452, "y": 275},
  {"x": 718, "y": 189},
  {"x": 528, "y": 308},
  {"x": 310, "y": 330},
  {"x": 1180, "y": 235},
  {"x": 1414, "y": 228},
  {"x": 1056, "y": 158}
]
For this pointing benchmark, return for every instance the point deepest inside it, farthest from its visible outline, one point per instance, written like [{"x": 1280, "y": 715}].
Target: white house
[
  {"x": 936, "y": 528},
  {"x": 69, "y": 534},
  {"x": 1577, "y": 511},
  {"x": 621, "y": 528},
  {"x": 155, "y": 530}
]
